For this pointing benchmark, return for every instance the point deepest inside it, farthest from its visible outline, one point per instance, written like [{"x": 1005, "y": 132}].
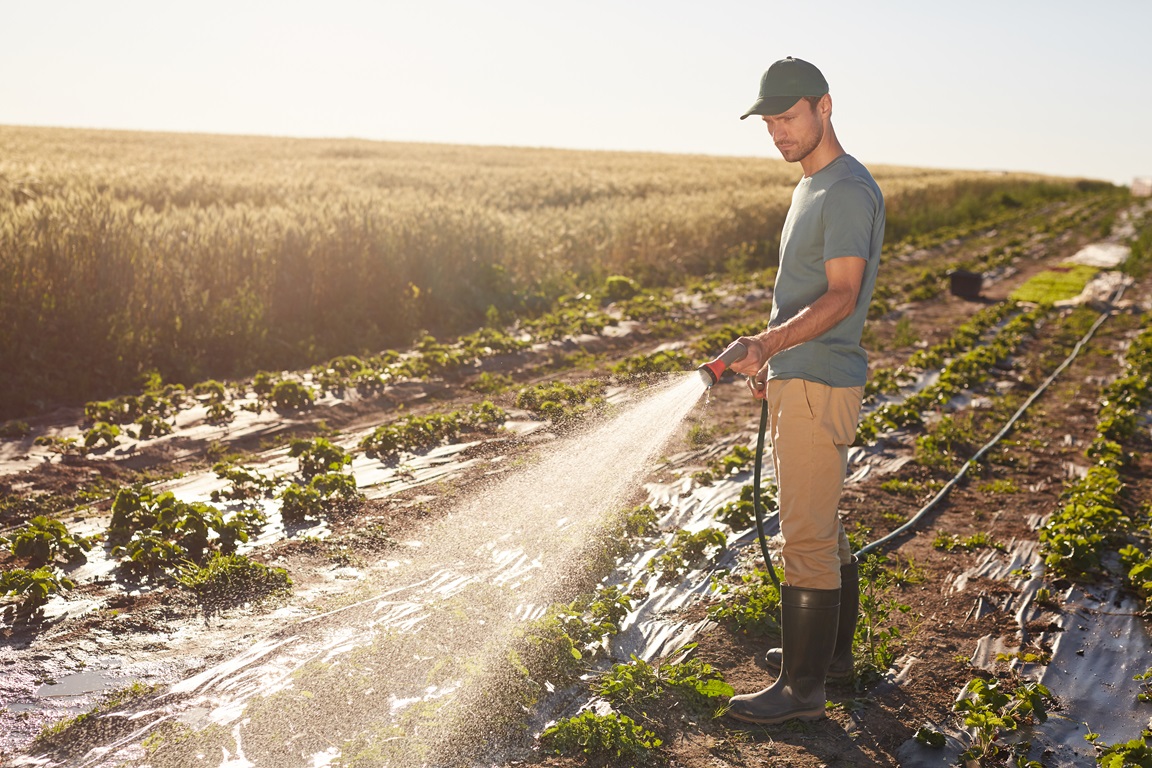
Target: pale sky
[{"x": 1055, "y": 87}]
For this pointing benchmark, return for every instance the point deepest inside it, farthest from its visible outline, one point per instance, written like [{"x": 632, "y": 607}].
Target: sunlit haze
[{"x": 1053, "y": 87}]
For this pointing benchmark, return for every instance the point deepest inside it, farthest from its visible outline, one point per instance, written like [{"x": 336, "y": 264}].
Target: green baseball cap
[{"x": 785, "y": 83}]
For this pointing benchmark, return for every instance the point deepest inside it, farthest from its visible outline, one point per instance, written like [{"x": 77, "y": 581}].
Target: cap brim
[{"x": 772, "y": 105}]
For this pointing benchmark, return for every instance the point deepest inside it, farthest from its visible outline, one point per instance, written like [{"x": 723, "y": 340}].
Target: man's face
[{"x": 796, "y": 132}]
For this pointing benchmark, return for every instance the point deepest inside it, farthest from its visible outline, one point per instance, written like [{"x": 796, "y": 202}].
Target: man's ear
[{"x": 824, "y": 106}]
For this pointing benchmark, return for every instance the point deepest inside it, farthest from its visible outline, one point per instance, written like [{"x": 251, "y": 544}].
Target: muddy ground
[{"x": 160, "y": 635}]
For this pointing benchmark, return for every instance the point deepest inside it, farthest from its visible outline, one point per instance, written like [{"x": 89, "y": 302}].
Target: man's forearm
[{"x": 815, "y": 319}]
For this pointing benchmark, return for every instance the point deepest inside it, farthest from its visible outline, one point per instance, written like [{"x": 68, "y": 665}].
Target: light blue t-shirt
[{"x": 836, "y": 212}]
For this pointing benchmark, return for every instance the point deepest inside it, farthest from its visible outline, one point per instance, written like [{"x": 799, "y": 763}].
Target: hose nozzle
[{"x": 710, "y": 372}]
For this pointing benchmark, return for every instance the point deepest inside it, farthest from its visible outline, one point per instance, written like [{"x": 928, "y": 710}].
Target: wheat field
[{"x": 198, "y": 256}]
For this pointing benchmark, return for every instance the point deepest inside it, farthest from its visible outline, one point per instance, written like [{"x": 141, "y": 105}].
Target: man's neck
[{"x": 828, "y": 150}]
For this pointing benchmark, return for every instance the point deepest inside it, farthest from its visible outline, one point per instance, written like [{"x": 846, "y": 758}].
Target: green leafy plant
[
  {"x": 911, "y": 488},
  {"x": 738, "y": 459},
  {"x": 686, "y": 551},
  {"x": 553, "y": 647},
  {"x": 664, "y": 361},
  {"x": 329, "y": 492},
  {"x": 318, "y": 456},
  {"x": 740, "y": 515},
  {"x": 1073, "y": 537},
  {"x": 421, "y": 433},
  {"x": 577, "y": 319},
  {"x": 291, "y": 395},
  {"x": 155, "y": 533},
  {"x": 33, "y": 588},
  {"x": 1000, "y": 486},
  {"x": 1063, "y": 282},
  {"x": 990, "y": 710},
  {"x": 1135, "y": 753},
  {"x": 1034, "y": 654},
  {"x": 492, "y": 383},
  {"x": 152, "y": 425},
  {"x": 636, "y": 685},
  {"x": 150, "y": 553},
  {"x": 600, "y": 736},
  {"x": 950, "y": 542},
  {"x": 619, "y": 288},
  {"x": 563, "y": 403},
  {"x": 101, "y": 432},
  {"x": 1145, "y": 680},
  {"x": 13, "y": 430},
  {"x": 930, "y": 737},
  {"x": 750, "y": 606},
  {"x": 232, "y": 579},
  {"x": 246, "y": 483},
  {"x": 43, "y": 539},
  {"x": 878, "y": 639},
  {"x": 64, "y": 446}
]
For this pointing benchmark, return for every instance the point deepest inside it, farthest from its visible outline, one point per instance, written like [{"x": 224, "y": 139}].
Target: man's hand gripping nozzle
[{"x": 710, "y": 372}]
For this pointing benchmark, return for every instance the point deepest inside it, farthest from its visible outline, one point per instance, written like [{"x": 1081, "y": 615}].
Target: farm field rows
[{"x": 330, "y": 478}]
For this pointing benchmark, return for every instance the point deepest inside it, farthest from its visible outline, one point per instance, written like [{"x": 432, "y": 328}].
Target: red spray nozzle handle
[{"x": 712, "y": 370}]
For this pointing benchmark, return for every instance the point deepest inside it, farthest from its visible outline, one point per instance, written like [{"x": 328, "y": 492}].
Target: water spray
[{"x": 711, "y": 371}]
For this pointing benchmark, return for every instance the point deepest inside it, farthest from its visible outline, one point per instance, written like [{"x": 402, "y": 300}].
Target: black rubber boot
[
  {"x": 842, "y": 667},
  {"x": 808, "y": 620}
]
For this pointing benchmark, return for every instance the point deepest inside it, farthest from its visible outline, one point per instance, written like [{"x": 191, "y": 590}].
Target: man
[{"x": 810, "y": 367}]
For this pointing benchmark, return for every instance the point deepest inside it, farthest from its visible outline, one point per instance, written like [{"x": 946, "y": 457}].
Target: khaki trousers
[{"x": 811, "y": 426}]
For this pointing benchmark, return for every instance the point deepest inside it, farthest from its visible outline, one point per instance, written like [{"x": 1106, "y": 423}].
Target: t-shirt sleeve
[{"x": 848, "y": 214}]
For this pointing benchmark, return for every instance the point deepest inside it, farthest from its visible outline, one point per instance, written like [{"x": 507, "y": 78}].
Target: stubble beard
[{"x": 801, "y": 151}]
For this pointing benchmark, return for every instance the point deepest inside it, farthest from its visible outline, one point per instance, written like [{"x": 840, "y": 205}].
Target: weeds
[
  {"x": 634, "y": 686},
  {"x": 752, "y": 606},
  {"x": 878, "y": 639},
  {"x": 599, "y": 736},
  {"x": 950, "y": 542}
]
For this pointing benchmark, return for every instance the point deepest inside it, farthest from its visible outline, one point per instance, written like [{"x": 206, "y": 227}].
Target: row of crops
[
  {"x": 573, "y": 634},
  {"x": 215, "y": 257}
]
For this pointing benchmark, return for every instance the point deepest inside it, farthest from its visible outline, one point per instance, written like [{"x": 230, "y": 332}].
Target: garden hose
[
  {"x": 916, "y": 519},
  {"x": 757, "y": 505},
  {"x": 919, "y": 516}
]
